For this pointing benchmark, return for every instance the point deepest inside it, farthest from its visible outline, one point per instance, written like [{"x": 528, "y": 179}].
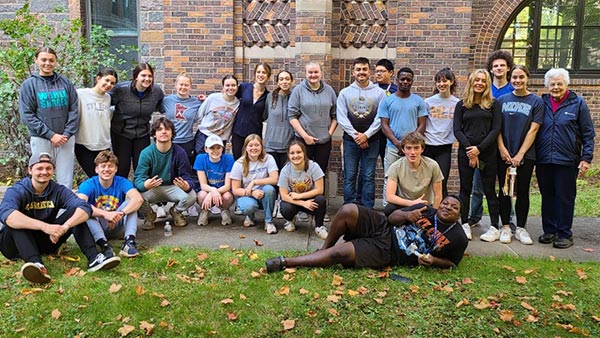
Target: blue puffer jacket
[{"x": 567, "y": 136}]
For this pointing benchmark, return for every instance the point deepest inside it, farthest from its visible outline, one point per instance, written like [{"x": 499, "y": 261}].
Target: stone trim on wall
[
  {"x": 266, "y": 23},
  {"x": 363, "y": 23}
]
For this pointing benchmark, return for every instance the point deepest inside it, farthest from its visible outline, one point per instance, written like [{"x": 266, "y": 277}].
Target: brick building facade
[{"x": 211, "y": 38}]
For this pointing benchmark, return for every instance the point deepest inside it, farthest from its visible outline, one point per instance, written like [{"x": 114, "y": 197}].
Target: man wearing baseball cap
[{"x": 37, "y": 215}]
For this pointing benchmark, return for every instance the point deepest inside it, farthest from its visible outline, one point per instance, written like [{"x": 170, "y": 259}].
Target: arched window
[{"x": 555, "y": 33}]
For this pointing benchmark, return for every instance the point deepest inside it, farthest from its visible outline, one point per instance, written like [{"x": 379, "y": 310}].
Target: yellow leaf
[
  {"x": 164, "y": 303},
  {"x": 303, "y": 291},
  {"x": 521, "y": 280},
  {"x": 227, "y": 301},
  {"x": 352, "y": 293},
  {"x": 288, "y": 324},
  {"x": 596, "y": 318},
  {"x": 253, "y": 256},
  {"x": 462, "y": 302},
  {"x": 255, "y": 274},
  {"x": 56, "y": 314},
  {"x": 223, "y": 246},
  {"x": 242, "y": 296},
  {"x": 147, "y": 327},
  {"x": 333, "y": 298},
  {"x": 337, "y": 280},
  {"x": 125, "y": 330},
  {"x": 290, "y": 270},
  {"x": 31, "y": 291},
  {"x": 139, "y": 290},
  {"x": 176, "y": 249},
  {"x": 71, "y": 259},
  {"x": 114, "y": 288},
  {"x": 509, "y": 268},
  {"x": 284, "y": 290},
  {"x": 482, "y": 304}
]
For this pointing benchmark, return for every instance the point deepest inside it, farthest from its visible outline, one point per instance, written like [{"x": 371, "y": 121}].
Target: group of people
[{"x": 498, "y": 123}]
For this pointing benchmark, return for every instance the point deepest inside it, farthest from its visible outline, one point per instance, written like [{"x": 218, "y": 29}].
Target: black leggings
[
  {"x": 319, "y": 153},
  {"x": 442, "y": 155},
  {"x": 288, "y": 210},
  {"x": 86, "y": 158},
  {"x": 524, "y": 173},
  {"x": 127, "y": 150},
  {"x": 488, "y": 178}
]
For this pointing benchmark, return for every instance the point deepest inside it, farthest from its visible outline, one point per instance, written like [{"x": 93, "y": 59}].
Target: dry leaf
[
  {"x": 303, "y": 291},
  {"x": 529, "y": 271},
  {"x": 231, "y": 316},
  {"x": 316, "y": 295},
  {"x": 71, "y": 259},
  {"x": 383, "y": 274},
  {"x": 284, "y": 290},
  {"x": 139, "y": 290},
  {"x": 176, "y": 249},
  {"x": 509, "y": 268},
  {"x": 362, "y": 290},
  {"x": 202, "y": 256},
  {"x": 125, "y": 330},
  {"x": 258, "y": 243},
  {"x": 170, "y": 263},
  {"x": 114, "y": 288},
  {"x": 596, "y": 318},
  {"x": 588, "y": 250},
  {"x": 163, "y": 278},
  {"x": 288, "y": 324},
  {"x": 552, "y": 258},
  {"x": 290, "y": 270},
  {"x": 482, "y": 304},
  {"x": 31, "y": 291},
  {"x": 287, "y": 277},
  {"x": 533, "y": 318},
  {"x": 134, "y": 275},
  {"x": 333, "y": 311},
  {"x": 164, "y": 303},
  {"x": 227, "y": 301},
  {"x": 378, "y": 300},
  {"x": 467, "y": 280},
  {"x": 581, "y": 273},
  {"x": 333, "y": 298},
  {"x": 448, "y": 289},
  {"x": 521, "y": 279},
  {"x": 56, "y": 314},
  {"x": 337, "y": 280},
  {"x": 255, "y": 274},
  {"x": 557, "y": 298},
  {"x": 242, "y": 296},
  {"x": 382, "y": 293},
  {"x": 353, "y": 293},
  {"x": 223, "y": 246},
  {"x": 527, "y": 306},
  {"x": 242, "y": 236},
  {"x": 564, "y": 293},
  {"x": 147, "y": 327},
  {"x": 311, "y": 313},
  {"x": 74, "y": 272},
  {"x": 506, "y": 315},
  {"x": 157, "y": 295},
  {"x": 234, "y": 261},
  {"x": 253, "y": 256},
  {"x": 413, "y": 288},
  {"x": 463, "y": 301}
]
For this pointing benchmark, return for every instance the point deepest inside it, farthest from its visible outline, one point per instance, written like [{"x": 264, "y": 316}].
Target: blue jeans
[
  {"x": 100, "y": 230},
  {"x": 367, "y": 159},
  {"x": 249, "y": 204}
]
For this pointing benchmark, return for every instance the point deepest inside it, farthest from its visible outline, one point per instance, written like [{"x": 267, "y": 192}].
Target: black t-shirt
[{"x": 448, "y": 241}]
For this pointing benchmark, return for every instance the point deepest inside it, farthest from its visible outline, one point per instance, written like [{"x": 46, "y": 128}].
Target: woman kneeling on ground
[{"x": 301, "y": 186}]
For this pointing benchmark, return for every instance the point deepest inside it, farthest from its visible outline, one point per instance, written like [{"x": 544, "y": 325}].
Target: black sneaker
[
  {"x": 129, "y": 249},
  {"x": 547, "y": 238},
  {"x": 107, "y": 251},
  {"x": 563, "y": 243},
  {"x": 103, "y": 263},
  {"x": 275, "y": 264},
  {"x": 35, "y": 273}
]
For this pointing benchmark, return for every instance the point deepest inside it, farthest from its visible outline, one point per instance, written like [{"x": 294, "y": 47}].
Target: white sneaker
[
  {"x": 237, "y": 211},
  {"x": 289, "y": 226},
  {"x": 192, "y": 211},
  {"x": 523, "y": 236},
  {"x": 491, "y": 235},
  {"x": 270, "y": 228},
  {"x": 321, "y": 232},
  {"x": 248, "y": 222},
  {"x": 505, "y": 235},
  {"x": 302, "y": 216},
  {"x": 467, "y": 230},
  {"x": 326, "y": 219},
  {"x": 226, "y": 217},
  {"x": 203, "y": 218},
  {"x": 215, "y": 210}
]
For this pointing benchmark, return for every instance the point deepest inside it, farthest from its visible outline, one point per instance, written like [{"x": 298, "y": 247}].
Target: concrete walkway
[{"x": 585, "y": 230}]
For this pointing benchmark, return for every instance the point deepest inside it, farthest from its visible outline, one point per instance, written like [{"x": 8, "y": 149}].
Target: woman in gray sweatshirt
[{"x": 311, "y": 111}]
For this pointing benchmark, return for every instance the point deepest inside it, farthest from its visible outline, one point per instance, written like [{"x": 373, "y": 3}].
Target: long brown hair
[
  {"x": 303, "y": 148},
  {"x": 278, "y": 89},
  {"x": 245, "y": 159},
  {"x": 486, "y": 99}
]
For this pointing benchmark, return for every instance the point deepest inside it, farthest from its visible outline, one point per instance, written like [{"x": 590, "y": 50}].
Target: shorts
[{"x": 372, "y": 239}]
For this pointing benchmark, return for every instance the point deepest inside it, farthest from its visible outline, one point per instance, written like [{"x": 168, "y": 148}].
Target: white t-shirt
[
  {"x": 439, "y": 128},
  {"x": 258, "y": 170}
]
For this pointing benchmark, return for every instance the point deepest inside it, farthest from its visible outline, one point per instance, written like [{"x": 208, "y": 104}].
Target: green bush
[{"x": 79, "y": 60}]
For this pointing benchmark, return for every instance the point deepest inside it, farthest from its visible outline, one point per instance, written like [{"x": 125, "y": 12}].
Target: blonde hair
[
  {"x": 183, "y": 75},
  {"x": 245, "y": 159},
  {"x": 486, "y": 99}
]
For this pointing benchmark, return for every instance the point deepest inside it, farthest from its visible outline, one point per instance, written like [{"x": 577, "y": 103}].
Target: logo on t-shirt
[{"x": 179, "y": 110}]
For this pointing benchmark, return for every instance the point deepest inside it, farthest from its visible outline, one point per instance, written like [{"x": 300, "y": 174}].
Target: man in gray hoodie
[
  {"x": 357, "y": 115},
  {"x": 48, "y": 107}
]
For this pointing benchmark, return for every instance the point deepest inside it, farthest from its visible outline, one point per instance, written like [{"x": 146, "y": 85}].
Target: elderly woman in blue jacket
[{"x": 565, "y": 146}]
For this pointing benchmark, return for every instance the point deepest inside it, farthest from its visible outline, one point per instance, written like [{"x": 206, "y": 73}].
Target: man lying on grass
[{"x": 417, "y": 235}]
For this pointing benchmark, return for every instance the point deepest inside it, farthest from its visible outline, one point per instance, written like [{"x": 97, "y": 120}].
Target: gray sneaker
[
  {"x": 226, "y": 217},
  {"x": 203, "y": 218}
]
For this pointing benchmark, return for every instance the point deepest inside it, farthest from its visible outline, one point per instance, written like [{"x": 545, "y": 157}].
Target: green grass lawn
[{"x": 189, "y": 292}]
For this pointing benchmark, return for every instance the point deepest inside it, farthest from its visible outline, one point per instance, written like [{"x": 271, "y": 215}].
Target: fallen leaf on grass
[
  {"x": 134, "y": 275},
  {"x": 527, "y": 306},
  {"x": 170, "y": 263},
  {"x": 414, "y": 288},
  {"x": 596, "y": 318},
  {"x": 288, "y": 324},
  {"x": 234, "y": 261},
  {"x": 333, "y": 311},
  {"x": 164, "y": 303},
  {"x": 176, "y": 249},
  {"x": 157, "y": 295},
  {"x": 290, "y": 270},
  {"x": 382, "y": 294},
  {"x": 56, "y": 314},
  {"x": 75, "y": 272},
  {"x": 533, "y": 318},
  {"x": 552, "y": 258},
  {"x": 70, "y": 259},
  {"x": 333, "y": 298},
  {"x": 588, "y": 250},
  {"x": 521, "y": 280},
  {"x": 255, "y": 274},
  {"x": 311, "y": 313},
  {"x": 31, "y": 291},
  {"x": 509, "y": 268},
  {"x": 362, "y": 290},
  {"x": 557, "y": 298},
  {"x": 258, "y": 243},
  {"x": 337, "y": 280},
  {"x": 147, "y": 327},
  {"x": 384, "y": 274},
  {"x": 378, "y": 300},
  {"x": 564, "y": 293},
  {"x": 284, "y": 290},
  {"x": 223, "y": 246},
  {"x": 569, "y": 307},
  {"x": 125, "y": 330},
  {"x": 242, "y": 296},
  {"x": 287, "y": 277},
  {"x": 462, "y": 302},
  {"x": 227, "y": 301},
  {"x": 506, "y": 315},
  {"x": 252, "y": 256},
  {"x": 303, "y": 291},
  {"x": 114, "y": 288},
  {"x": 581, "y": 273},
  {"x": 202, "y": 256},
  {"x": 231, "y": 316},
  {"x": 467, "y": 280},
  {"x": 353, "y": 293},
  {"x": 482, "y": 303}
]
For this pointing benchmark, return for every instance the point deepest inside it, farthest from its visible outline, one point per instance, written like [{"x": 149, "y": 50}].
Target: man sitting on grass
[
  {"x": 114, "y": 203},
  {"x": 38, "y": 215},
  {"x": 420, "y": 235}
]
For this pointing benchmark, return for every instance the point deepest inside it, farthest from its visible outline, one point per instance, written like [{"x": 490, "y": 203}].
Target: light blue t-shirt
[
  {"x": 183, "y": 113},
  {"x": 215, "y": 172},
  {"x": 402, "y": 113},
  {"x": 109, "y": 199}
]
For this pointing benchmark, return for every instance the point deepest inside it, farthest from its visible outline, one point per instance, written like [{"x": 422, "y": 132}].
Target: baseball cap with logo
[{"x": 40, "y": 158}]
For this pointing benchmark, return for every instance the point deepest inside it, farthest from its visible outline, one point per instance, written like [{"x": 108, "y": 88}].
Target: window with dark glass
[
  {"x": 543, "y": 34},
  {"x": 119, "y": 16}
]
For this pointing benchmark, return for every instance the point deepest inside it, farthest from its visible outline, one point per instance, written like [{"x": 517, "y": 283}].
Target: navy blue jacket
[
  {"x": 249, "y": 119},
  {"x": 567, "y": 136}
]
